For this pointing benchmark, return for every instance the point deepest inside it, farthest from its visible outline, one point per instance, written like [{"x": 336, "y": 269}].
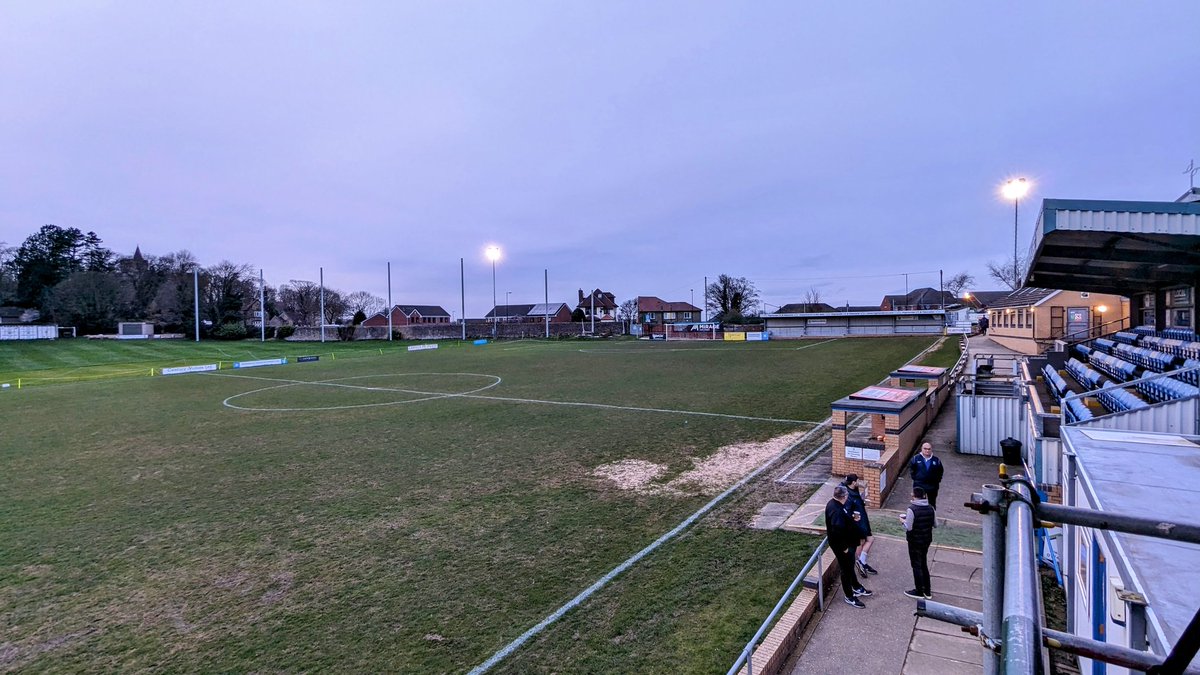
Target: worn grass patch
[{"x": 148, "y": 526}]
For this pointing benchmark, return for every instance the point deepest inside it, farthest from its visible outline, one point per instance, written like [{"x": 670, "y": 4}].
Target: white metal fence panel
[
  {"x": 983, "y": 421},
  {"x": 28, "y": 332},
  {"x": 1174, "y": 417}
]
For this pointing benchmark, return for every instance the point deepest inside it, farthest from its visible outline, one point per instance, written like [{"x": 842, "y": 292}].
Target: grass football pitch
[{"x": 401, "y": 511}]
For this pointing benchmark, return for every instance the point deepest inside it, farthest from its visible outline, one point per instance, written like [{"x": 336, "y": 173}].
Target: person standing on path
[
  {"x": 842, "y": 530},
  {"x": 926, "y": 471},
  {"x": 856, "y": 505},
  {"x": 919, "y": 521},
  {"x": 983, "y": 324}
]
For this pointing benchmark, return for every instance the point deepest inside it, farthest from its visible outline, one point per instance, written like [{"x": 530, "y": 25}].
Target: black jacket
[
  {"x": 928, "y": 478},
  {"x": 840, "y": 526},
  {"x": 856, "y": 504}
]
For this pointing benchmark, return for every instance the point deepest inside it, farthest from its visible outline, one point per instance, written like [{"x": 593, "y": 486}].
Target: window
[
  {"x": 668, "y": 316},
  {"x": 1181, "y": 318},
  {"x": 687, "y": 316}
]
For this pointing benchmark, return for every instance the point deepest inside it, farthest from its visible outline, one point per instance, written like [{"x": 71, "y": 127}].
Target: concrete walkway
[{"x": 886, "y": 637}]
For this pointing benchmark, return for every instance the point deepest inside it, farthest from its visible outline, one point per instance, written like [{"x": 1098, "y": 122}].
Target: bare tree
[
  {"x": 731, "y": 298},
  {"x": 812, "y": 297},
  {"x": 958, "y": 283},
  {"x": 301, "y": 300},
  {"x": 627, "y": 312},
  {"x": 1004, "y": 273},
  {"x": 364, "y": 302},
  {"x": 225, "y": 296},
  {"x": 335, "y": 306}
]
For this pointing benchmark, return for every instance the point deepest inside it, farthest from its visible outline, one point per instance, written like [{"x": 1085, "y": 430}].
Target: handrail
[
  {"x": 747, "y": 656},
  {"x": 1099, "y": 330}
]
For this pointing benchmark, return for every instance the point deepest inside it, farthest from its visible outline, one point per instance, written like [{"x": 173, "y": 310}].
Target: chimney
[{"x": 581, "y": 296}]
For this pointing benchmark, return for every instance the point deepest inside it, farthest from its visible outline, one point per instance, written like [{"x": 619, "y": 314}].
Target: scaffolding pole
[
  {"x": 1066, "y": 642},
  {"x": 1021, "y": 625}
]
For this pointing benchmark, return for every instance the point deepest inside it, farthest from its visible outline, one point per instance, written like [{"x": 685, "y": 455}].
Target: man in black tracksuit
[
  {"x": 844, "y": 536},
  {"x": 926, "y": 471},
  {"x": 919, "y": 521}
]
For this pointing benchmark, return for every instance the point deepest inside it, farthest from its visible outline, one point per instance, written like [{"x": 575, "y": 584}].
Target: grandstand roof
[{"x": 1117, "y": 247}]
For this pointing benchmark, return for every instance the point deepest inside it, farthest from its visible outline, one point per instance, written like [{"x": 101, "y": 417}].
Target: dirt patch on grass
[
  {"x": 708, "y": 476},
  {"x": 631, "y": 474}
]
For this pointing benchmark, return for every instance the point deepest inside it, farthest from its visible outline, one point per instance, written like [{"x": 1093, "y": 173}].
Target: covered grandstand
[{"x": 1128, "y": 398}]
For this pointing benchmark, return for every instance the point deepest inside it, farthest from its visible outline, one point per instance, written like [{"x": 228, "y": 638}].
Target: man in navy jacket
[
  {"x": 927, "y": 472},
  {"x": 842, "y": 530}
]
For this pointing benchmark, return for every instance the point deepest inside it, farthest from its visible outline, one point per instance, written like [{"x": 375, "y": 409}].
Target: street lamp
[
  {"x": 493, "y": 253},
  {"x": 1014, "y": 189}
]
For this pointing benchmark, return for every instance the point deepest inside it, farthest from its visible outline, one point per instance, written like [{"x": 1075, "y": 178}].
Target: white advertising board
[
  {"x": 180, "y": 370},
  {"x": 260, "y": 362}
]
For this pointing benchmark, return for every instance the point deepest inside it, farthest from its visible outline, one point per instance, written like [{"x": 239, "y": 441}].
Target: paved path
[{"x": 886, "y": 637}]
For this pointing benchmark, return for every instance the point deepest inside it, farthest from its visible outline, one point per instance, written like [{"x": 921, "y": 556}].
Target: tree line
[{"x": 73, "y": 280}]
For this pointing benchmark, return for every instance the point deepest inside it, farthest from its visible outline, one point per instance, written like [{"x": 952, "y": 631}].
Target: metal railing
[
  {"x": 746, "y": 658},
  {"x": 1009, "y": 627},
  {"x": 1092, "y": 332},
  {"x": 1126, "y": 385}
]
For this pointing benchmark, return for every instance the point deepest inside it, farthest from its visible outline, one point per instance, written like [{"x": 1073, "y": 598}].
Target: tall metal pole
[
  {"x": 462, "y": 298},
  {"x": 1016, "y": 272},
  {"x": 196, "y": 297},
  {"x": 942, "y": 295},
  {"x": 262, "y": 305},
  {"x": 704, "y": 311},
  {"x": 993, "y": 574},
  {"x": 546, "y": 299},
  {"x": 321, "y": 318},
  {"x": 389, "y": 307},
  {"x": 593, "y": 312},
  {"x": 495, "y": 317}
]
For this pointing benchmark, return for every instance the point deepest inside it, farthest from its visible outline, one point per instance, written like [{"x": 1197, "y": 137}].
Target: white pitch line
[
  {"x": 634, "y": 408},
  {"x": 817, "y": 344},
  {"x": 629, "y": 562},
  {"x": 442, "y": 395}
]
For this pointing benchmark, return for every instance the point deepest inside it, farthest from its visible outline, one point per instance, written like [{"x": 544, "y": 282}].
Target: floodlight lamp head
[
  {"x": 492, "y": 252},
  {"x": 1016, "y": 188}
]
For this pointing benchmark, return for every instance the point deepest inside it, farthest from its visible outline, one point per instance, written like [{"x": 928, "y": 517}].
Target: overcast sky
[{"x": 632, "y": 146}]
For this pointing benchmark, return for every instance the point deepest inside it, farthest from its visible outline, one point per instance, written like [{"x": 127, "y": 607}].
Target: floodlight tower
[
  {"x": 1015, "y": 189},
  {"x": 493, "y": 253}
]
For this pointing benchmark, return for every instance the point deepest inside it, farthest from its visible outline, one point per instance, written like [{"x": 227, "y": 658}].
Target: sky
[{"x": 631, "y": 146}]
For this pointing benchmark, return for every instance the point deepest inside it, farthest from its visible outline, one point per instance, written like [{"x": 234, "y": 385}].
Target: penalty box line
[
  {"x": 508, "y": 649},
  {"x": 510, "y": 399}
]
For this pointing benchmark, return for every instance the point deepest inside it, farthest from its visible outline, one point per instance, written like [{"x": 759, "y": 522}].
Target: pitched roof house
[
  {"x": 604, "y": 302},
  {"x": 653, "y": 310},
  {"x": 404, "y": 315}
]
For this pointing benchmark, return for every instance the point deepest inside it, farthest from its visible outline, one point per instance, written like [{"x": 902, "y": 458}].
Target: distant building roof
[
  {"x": 502, "y": 311},
  {"x": 603, "y": 300},
  {"x": 921, "y": 297},
  {"x": 802, "y": 307},
  {"x": 650, "y": 303},
  {"x": 546, "y": 309},
  {"x": 1023, "y": 297},
  {"x": 986, "y": 298}
]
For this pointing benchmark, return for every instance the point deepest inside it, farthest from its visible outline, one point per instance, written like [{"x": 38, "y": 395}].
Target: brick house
[
  {"x": 604, "y": 302},
  {"x": 404, "y": 315},
  {"x": 654, "y": 311}
]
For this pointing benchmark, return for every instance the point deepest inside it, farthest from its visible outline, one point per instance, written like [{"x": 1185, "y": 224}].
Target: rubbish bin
[{"x": 1010, "y": 449}]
